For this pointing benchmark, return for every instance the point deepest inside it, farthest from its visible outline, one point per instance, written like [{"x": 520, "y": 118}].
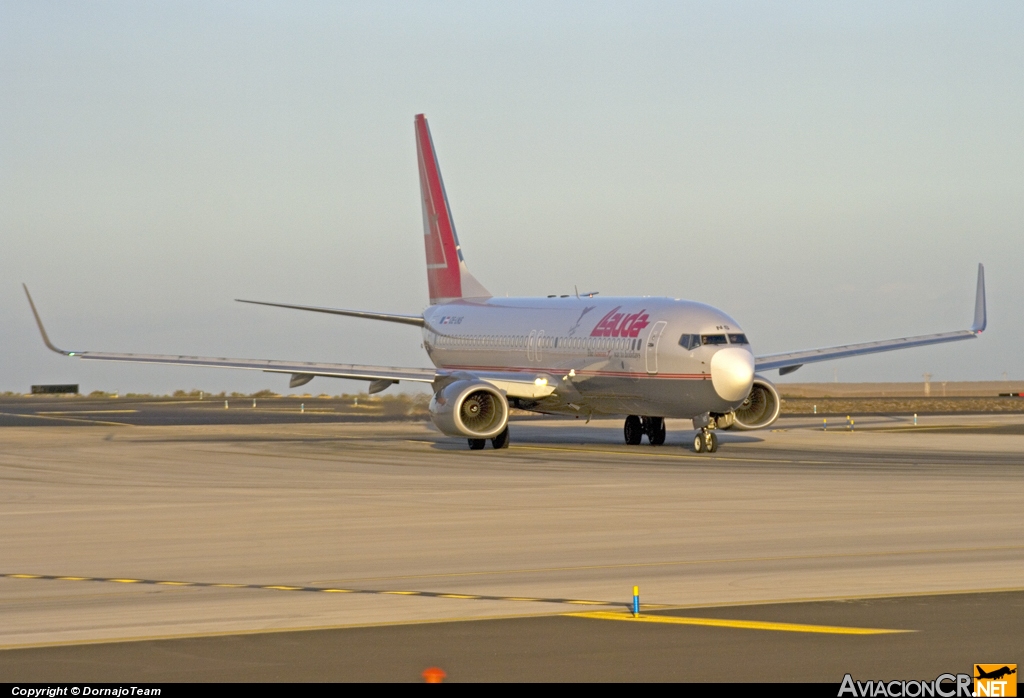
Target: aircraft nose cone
[{"x": 732, "y": 373}]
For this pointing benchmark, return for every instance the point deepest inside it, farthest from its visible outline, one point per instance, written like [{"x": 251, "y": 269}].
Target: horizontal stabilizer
[{"x": 416, "y": 320}]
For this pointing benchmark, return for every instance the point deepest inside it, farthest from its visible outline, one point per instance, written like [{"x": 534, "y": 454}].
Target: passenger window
[
  {"x": 738, "y": 339},
  {"x": 713, "y": 339}
]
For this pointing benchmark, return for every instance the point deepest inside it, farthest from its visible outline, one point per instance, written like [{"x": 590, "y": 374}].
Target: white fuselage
[{"x": 610, "y": 356}]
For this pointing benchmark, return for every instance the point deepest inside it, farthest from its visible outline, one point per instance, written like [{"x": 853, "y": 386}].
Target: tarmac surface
[
  {"x": 51, "y": 410},
  {"x": 936, "y": 635},
  {"x": 363, "y": 551}
]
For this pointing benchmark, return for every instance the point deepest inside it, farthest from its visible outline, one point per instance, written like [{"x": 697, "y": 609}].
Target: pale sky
[{"x": 823, "y": 172}]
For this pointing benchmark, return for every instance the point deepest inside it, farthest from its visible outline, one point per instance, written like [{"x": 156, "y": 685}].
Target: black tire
[
  {"x": 712, "y": 444},
  {"x": 477, "y": 444},
  {"x": 501, "y": 440},
  {"x": 657, "y": 432},
  {"x": 633, "y": 431},
  {"x": 698, "y": 442}
]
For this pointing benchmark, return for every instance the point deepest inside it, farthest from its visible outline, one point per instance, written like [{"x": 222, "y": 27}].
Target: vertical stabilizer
[{"x": 447, "y": 275}]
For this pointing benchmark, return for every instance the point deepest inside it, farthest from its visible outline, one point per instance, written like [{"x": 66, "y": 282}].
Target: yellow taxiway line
[
  {"x": 66, "y": 419},
  {"x": 600, "y": 615},
  {"x": 742, "y": 624}
]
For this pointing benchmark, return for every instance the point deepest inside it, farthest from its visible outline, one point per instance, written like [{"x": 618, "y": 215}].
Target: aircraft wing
[
  {"x": 791, "y": 361},
  {"x": 512, "y": 383},
  {"x": 301, "y": 371}
]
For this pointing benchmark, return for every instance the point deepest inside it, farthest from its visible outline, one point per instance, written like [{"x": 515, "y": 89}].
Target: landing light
[{"x": 541, "y": 382}]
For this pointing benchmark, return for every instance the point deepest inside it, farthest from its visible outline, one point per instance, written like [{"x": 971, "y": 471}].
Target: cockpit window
[
  {"x": 713, "y": 339},
  {"x": 738, "y": 339},
  {"x": 689, "y": 341}
]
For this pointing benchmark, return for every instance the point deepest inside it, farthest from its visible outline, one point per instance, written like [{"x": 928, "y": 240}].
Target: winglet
[
  {"x": 980, "y": 313},
  {"x": 42, "y": 330}
]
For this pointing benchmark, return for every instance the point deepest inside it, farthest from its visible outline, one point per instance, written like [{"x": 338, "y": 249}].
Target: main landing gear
[
  {"x": 705, "y": 441},
  {"x": 499, "y": 442},
  {"x": 636, "y": 427}
]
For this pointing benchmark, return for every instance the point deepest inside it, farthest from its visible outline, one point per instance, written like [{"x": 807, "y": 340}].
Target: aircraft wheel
[
  {"x": 712, "y": 442},
  {"x": 656, "y": 431},
  {"x": 698, "y": 443},
  {"x": 653, "y": 427},
  {"x": 501, "y": 440},
  {"x": 633, "y": 430},
  {"x": 477, "y": 444}
]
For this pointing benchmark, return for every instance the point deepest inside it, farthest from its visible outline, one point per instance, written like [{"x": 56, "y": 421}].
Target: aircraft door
[
  {"x": 531, "y": 345},
  {"x": 652, "y": 346},
  {"x": 540, "y": 345}
]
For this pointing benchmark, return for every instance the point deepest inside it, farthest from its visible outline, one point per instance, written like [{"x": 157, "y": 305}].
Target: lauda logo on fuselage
[{"x": 616, "y": 324}]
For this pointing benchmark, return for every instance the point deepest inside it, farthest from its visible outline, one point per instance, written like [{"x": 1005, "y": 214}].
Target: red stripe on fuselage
[{"x": 581, "y": 372}]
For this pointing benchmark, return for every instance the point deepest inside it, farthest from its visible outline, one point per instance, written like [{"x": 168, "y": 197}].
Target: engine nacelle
[
  {"x": 470, "y": 408},
  {"x": 760, "y": 409}
]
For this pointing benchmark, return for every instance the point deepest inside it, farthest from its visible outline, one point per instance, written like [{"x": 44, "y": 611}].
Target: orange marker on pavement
[{"x": 434, "y": 674}]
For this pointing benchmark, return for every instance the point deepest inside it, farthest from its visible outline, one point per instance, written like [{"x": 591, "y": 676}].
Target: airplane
[
  {"x": 996, "y": 674},
  {"x": 642, "y": 358}
]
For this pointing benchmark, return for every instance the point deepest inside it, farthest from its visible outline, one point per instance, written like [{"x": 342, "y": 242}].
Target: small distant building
[{"x": 68, "y": 389}]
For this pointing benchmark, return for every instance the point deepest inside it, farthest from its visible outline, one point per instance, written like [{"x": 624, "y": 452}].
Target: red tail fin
[{"x": 447, "y": 274}]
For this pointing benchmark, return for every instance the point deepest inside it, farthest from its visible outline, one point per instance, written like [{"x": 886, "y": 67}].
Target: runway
[{"x": 224, "y": 535}]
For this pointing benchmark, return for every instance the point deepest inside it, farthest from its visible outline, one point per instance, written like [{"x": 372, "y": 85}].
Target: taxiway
[{"x": 222, "y": 536}]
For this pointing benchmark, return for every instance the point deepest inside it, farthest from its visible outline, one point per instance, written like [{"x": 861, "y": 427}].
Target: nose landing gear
[{"x": 705, "y": 441}]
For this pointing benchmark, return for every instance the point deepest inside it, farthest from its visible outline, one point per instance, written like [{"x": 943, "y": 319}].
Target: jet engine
[
  {"x": 759, "y": 410},
  {"x": 470, "y": 408}
]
